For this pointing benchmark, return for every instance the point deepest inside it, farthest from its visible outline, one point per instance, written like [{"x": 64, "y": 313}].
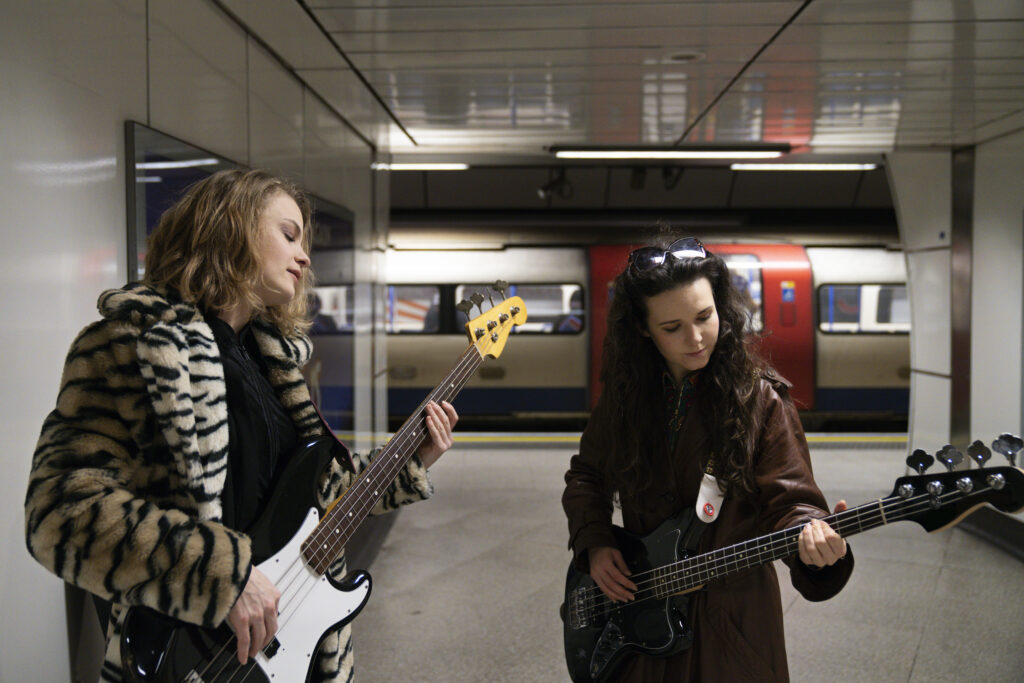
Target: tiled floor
[{"x": 467, "y": 585}]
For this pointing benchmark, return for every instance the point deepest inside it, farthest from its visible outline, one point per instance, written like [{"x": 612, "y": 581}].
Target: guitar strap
[{"x": 710, "y": 495}]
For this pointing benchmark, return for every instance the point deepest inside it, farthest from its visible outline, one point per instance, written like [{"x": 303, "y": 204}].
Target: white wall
[{"x": 70, "y": 75}]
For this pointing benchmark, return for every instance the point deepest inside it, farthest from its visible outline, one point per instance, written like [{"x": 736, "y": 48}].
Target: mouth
[
  {"x": 295, "y": 274},
  {"x": 696, "y": 354}
]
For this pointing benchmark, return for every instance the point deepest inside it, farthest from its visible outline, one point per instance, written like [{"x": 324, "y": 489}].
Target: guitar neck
[
  {"x": 693, "y": 572},
  {"x": 344, "y": 517}
]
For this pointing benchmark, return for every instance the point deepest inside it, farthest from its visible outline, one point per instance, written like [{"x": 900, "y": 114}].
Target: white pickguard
[{"x": 323, "y": 607}]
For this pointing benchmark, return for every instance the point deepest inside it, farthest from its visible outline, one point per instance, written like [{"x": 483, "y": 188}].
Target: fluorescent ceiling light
[
  {"x": 803, "y": 167},
  {"x": 184, "y": 163},
  {"x": 665, "y": 154},
  {"x": 420, "y": 167}
]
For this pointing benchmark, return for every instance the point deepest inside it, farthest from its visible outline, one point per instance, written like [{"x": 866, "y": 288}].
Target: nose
[
  {"x": 302, "y": 258},
  {"x": 695, "y": 335}
]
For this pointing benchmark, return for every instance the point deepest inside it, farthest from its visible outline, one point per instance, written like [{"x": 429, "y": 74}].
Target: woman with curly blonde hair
[{"x": 177, "y": 412}]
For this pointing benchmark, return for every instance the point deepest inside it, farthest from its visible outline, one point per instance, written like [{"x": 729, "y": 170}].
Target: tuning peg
[
  {"x": 464, "y": 306},
  {"x": 979, "y": 452},
  {"x": 477, "y": 298},
  {"x": 1009, "y": 445},
  {"x": 920, "y": 461},
  {"x": 949, "y": 456},
  {"x": 500, "y": 286}
]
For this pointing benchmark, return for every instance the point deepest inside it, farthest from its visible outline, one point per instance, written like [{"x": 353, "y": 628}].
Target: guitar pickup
[{"x": 578, "y": 611}]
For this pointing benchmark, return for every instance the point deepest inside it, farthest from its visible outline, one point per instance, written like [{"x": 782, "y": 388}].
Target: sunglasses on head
[{"x": 645, "y": 258}]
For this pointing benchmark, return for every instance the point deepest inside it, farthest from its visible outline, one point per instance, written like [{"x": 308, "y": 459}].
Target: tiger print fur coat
[{"x": 124, "y": 495}]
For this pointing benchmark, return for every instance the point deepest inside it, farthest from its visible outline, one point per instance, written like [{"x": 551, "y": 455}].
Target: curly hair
[
  {"x": 207, "y": 245},
  {"x": 632, "y": 370}
]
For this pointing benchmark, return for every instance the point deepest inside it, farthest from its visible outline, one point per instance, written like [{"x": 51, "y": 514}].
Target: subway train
[{"x": 834, "y": 321}]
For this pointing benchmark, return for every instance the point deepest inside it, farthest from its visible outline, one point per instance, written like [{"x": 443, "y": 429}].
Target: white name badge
[{"x": 709, "y": 499}]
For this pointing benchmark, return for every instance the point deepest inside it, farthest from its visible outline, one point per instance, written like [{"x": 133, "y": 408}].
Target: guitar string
[
  {"x": 782, "y": 538},
  {"x": 594, "y": 597},
  {"x": 461, "y": 373},
  {"x": 305, "y": 587},
  {"x": 771, "y": 547},
  {"x": 411, "y": 432}
]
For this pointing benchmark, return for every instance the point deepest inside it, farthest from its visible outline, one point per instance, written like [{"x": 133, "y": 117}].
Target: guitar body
[
  {"x": 596, "y": 647},
  {"x": 294, "y": 547},
  {"x": 155, "y": 647},
  {"x": 599, "y": 634}
]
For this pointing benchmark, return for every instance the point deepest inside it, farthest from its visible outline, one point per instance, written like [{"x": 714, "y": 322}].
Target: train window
[
  {"x": 746, "y": 278},
  {"x": 331, "y": 309},
  {"x": 412, "y": 309},
  {"x": 873, "y": 308},
  {"x": 551, "y": 308}
]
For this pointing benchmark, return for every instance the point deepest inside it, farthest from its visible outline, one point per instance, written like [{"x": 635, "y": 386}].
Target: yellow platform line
[{"x": 478, "y": 438}]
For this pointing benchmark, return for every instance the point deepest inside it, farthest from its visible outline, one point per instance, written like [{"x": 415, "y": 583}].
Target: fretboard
[
  {"x": 693, "y": 572},
  {"x": 324, "y": 545}
]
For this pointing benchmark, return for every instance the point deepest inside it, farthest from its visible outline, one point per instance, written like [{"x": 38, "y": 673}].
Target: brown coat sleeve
[
  {"x": 586, "y": 500},
  {"x": 788, "y": 495}
]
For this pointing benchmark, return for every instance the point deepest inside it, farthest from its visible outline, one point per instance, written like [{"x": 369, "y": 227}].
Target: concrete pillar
[{"x": 921, "y": 185}]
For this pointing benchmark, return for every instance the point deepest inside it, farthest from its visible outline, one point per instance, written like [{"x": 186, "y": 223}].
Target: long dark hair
[{"x": 632, "y": 369}]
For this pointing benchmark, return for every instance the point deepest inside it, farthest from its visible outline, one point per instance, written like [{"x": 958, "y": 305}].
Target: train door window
[
  {"x": 331, "y": 310},
  {"x": 412, "y": 309},
  {"x": 745, "y": 270},
  {"x": 863, "y": 309},
  {"x": 551, "y": 308}
]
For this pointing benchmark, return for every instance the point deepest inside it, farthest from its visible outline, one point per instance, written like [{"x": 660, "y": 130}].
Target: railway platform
[{"x": 467, "y": 585}]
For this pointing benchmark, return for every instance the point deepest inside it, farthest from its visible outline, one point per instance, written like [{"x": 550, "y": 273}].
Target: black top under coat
[{"x": 261, "y": 435}]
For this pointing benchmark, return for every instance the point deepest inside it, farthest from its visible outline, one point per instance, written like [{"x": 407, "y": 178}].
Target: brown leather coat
[{"x": 738, "y": 620}]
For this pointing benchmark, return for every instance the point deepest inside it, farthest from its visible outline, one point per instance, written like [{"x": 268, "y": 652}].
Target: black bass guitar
[
  {"x": 599, "y": 634},
  {"x": 294, "y": 547}
]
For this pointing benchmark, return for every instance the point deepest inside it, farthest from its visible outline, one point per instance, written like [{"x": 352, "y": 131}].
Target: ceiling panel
[{"x": 499, "y": 79}]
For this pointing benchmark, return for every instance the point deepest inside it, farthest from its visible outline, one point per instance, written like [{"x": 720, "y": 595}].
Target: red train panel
[{"x": 787, "y": 305}]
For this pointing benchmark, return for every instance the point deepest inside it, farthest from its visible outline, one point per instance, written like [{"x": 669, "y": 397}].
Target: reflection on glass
[
  {"x": 162, "y": 167},
  {"x": 853, "y": 309}
]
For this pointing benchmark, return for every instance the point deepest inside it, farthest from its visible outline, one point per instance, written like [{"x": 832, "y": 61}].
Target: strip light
[
  {"x": 707, "y": 150},
  {"x": 803, "y": 167},
  {"x": 666, "y": 154},
  {"x": 185, "y": 163},
  {"x": 419, "y": 167}
]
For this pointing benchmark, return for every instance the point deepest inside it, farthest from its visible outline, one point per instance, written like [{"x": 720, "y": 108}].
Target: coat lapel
[{"x": 181, "y": 365}]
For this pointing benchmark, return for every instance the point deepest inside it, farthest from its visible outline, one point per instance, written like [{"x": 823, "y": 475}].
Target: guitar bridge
[{"x": 579, "y": 614}]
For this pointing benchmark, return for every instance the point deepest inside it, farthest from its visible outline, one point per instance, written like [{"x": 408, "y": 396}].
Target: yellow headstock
[{"x": 489, "y": 332}]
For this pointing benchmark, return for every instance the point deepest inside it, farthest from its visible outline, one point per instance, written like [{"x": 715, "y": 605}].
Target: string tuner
[
  {"x": 979, "y": 452},
  {"x": 464, "y": 306},
  {"x": 1008, "y": 445},
  {"x": 477, "y": 298},
  {"x": 949, "y": 456},
  {"x": 500, "y": 286},
  {"x": 920, "y": 461}
]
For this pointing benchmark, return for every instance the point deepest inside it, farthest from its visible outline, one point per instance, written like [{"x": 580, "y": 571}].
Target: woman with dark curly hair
[{"x": 691, "y": 418}]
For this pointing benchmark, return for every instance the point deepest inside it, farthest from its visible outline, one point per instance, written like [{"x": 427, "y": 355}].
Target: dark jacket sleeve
[
  {"x": 787, "y": 491},
  {"x": 586, "y": 500}
]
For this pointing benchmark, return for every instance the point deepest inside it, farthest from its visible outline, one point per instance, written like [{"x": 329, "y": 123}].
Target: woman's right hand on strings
[
  {"x": 609, "y": 571},
  {"x": 254, "y": 615}
]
